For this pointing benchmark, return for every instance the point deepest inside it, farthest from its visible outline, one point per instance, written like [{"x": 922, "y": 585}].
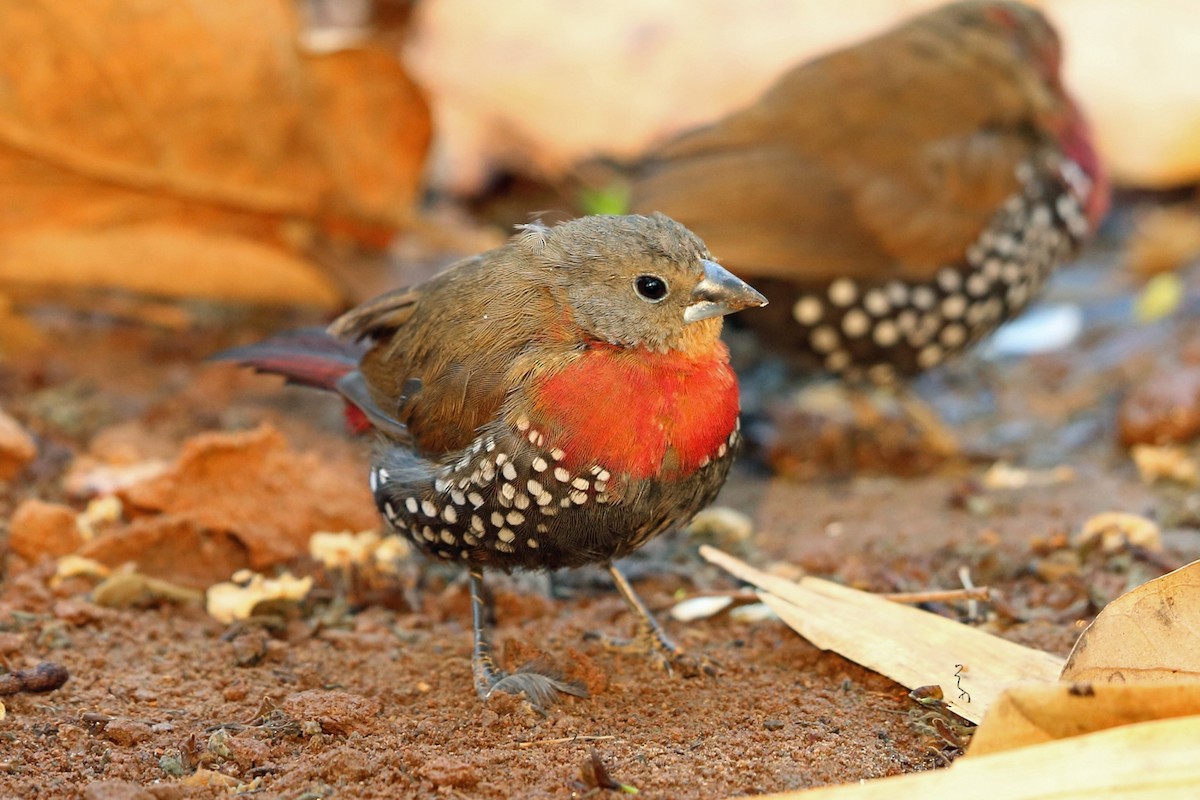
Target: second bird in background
[{"x": 899, "y": 199}]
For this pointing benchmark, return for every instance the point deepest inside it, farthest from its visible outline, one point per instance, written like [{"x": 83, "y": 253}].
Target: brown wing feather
[{"x": 443, "y": 390}]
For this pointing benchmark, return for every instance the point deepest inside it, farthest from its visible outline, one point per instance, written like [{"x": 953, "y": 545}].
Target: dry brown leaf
[
  {"x": 1149, "y": 634},
  {"x": 1146, "y": 761},
  {"x": 910, "y": 646},
  {"x": 139, "y": 131},
  {"x": 1164, "y": 239},
  {"x": 17, "y": 447},
  {"x": 254, "y": 486},
  {"x": 1037, "y": 713}
]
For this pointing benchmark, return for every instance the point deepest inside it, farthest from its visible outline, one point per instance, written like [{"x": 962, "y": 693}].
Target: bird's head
[
  {"x": 634, "y": 281},
  {"x": 1019, "y": 41}
]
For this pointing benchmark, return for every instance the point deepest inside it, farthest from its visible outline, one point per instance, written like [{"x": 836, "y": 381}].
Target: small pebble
[{"x": 773, "y": 724}]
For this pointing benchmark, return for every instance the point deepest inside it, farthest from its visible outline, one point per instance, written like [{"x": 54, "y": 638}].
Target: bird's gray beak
[{"x": 720, "y": 293}]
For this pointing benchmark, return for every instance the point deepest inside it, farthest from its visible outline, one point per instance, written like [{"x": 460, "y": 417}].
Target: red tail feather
[{"x": 309, "y": 357}]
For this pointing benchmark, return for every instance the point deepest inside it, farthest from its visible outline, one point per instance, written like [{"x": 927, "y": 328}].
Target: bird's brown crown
[{"x": 624, "y": 281}]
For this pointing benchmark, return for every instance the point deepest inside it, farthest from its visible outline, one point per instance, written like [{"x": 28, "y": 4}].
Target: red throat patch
[{"x": 640, "y": 413}]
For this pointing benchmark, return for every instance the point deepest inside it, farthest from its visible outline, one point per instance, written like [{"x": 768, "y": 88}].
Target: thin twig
[
  {"x": 971, "y": 595},
  {"x": 564, "y": 740}
]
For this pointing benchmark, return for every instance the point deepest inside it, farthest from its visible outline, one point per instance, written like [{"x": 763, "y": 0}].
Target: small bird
[
  {"x": 899, "y": 199},
  {"x": 555, "y": 402}
]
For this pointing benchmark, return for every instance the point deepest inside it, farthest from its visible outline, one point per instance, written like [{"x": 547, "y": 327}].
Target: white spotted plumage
[{"x": 855, "y": 327}]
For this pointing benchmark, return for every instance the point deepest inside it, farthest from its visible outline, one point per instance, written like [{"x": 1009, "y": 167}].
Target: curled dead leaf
[
  {"x": 1036, "y": 713},
  {"x": 1150, "y": 634},
  {"x": 185, "y": 152}
]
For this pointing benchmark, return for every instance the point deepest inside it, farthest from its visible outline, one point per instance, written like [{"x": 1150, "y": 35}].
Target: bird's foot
[
  {"x": 540, "y": 685},
  {"x": 650, "y": 639},
  {"x": 655, "y": 644}
]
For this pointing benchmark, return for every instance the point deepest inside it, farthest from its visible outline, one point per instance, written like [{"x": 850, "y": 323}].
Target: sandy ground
[{"x": 376, "y": 701}]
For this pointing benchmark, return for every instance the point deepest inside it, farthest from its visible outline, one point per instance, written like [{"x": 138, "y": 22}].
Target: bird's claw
[{"x": 667, "y": 655}]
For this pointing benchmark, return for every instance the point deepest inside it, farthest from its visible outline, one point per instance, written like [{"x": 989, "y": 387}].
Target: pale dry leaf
[
  {"x": 910, "y": 646},
  {"x": 1114, "y": 531},
  {"x": 1145, "y": 761},
  {"x": 1163, "y": 240},
  {"x": 1165, "y": 462},
  {"x": 227, "y": 602},
  {"x": 1038, "y": 713},
  {"x": 164, "y": 259},
  {"x": 1149, "y": 634}
]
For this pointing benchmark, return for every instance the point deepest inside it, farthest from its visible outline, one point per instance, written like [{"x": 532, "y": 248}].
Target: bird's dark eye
[{"x": 651, "y": 287}]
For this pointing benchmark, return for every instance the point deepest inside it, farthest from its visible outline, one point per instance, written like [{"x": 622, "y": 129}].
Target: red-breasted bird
[
  {"x": 899, "y": 199},
  {"x": 555, "y": 402}
]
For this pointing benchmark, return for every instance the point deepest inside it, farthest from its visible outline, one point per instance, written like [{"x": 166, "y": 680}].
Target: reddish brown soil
[{"x": 377, "y": 702}]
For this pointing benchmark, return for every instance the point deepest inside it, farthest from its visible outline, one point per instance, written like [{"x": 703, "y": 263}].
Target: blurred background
[{"x": 228, "y": 152}]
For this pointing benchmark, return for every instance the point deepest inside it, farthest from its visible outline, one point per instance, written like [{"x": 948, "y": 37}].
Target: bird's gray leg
[
  {"x": 650, "y": 638},
  {"x": 541, "y": 689}
]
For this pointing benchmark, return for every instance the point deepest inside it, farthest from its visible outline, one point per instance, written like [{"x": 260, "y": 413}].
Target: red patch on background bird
[{"x": 638, "y": 412}]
